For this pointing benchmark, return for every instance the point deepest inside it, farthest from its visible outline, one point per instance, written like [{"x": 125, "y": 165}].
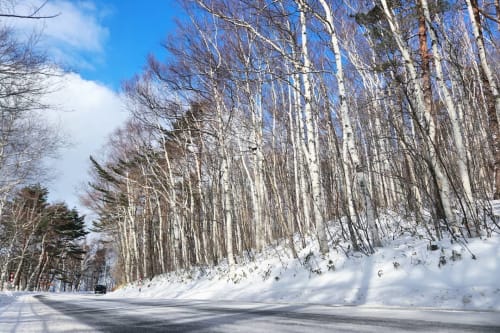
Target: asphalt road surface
[{"x": 93, "y": 313}]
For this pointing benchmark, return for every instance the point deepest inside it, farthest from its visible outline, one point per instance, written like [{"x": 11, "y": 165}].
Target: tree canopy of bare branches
[{"x": 271, "y": 120}]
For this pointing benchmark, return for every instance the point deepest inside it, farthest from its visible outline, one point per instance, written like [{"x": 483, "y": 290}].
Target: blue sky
[
  {"x": 102, "y": 40},
  {"x": 135, "y": 29},
  {"x": 99, "y": 44}
]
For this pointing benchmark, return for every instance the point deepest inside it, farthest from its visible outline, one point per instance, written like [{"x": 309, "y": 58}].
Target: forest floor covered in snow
[{"x": 405, "y": 272}]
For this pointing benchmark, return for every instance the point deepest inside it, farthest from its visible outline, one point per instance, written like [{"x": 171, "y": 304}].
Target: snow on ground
[
  {"x": 404, "y": 273},
  {"x": 8, "y": 297}
]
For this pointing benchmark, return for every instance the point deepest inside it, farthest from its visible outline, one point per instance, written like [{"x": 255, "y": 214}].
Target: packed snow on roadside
[
  {"x": 404, "y": 272},
  {"x": 5, "y": 298},
  {"x": 8, "y": 297}
]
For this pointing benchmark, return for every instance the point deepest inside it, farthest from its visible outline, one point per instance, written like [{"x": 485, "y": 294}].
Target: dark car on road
[{"x": 100, "y": 289}]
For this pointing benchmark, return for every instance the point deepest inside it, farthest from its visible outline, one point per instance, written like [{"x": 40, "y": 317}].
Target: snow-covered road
[
  {"x": 25, "y": 313},
  {"x": 89, "y": 313}
]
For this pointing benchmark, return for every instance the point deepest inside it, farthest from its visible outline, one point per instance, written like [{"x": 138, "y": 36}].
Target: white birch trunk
[
  {"x": 38, "y": 268},
  {"x": 178, "y": 258},
  {"x": 312, "y": 153},
  {"x": 350, "y": 152},
  {"x": 124, "y": 237},
  {"x": 160, "y": 234},
  {"x": 132, "y": 227},
  {"x": 425, "y": 118},
  {"x": 257, "y": 120},
  {"x": 483, "y": 59},
  {"x": 301, "y": 157},
  {"x": 454, "y": 115},
  {"x": 225, "y": 179},
  {"x": 7, "y": 259},
  {"x": 228, "y": 216},
  {"x": 145, "y": 246},
  {"x": 199, "y": 189}
]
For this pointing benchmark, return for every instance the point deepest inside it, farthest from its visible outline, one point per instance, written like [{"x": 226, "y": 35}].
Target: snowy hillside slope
[{"x": 405, "y": 272}]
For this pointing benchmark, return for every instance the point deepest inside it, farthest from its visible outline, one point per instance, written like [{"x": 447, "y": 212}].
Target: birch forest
[{"x": 272, "y": 121}]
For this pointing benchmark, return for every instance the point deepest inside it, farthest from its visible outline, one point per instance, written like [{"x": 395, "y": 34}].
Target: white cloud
[
  {"x": 76, "y": 26},
  {"x": 77, "y": 29},
  {"x": 88, "y": 112}
]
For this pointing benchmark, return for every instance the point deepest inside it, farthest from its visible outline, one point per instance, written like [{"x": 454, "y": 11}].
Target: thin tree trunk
[
  {"x": 493, "y": 96},
  {"x": 349, "y": 146},
  {"x": 426, "y": 121},
  {"x": 454, "y": 115},
  {"x": 312, "y": 152}
]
